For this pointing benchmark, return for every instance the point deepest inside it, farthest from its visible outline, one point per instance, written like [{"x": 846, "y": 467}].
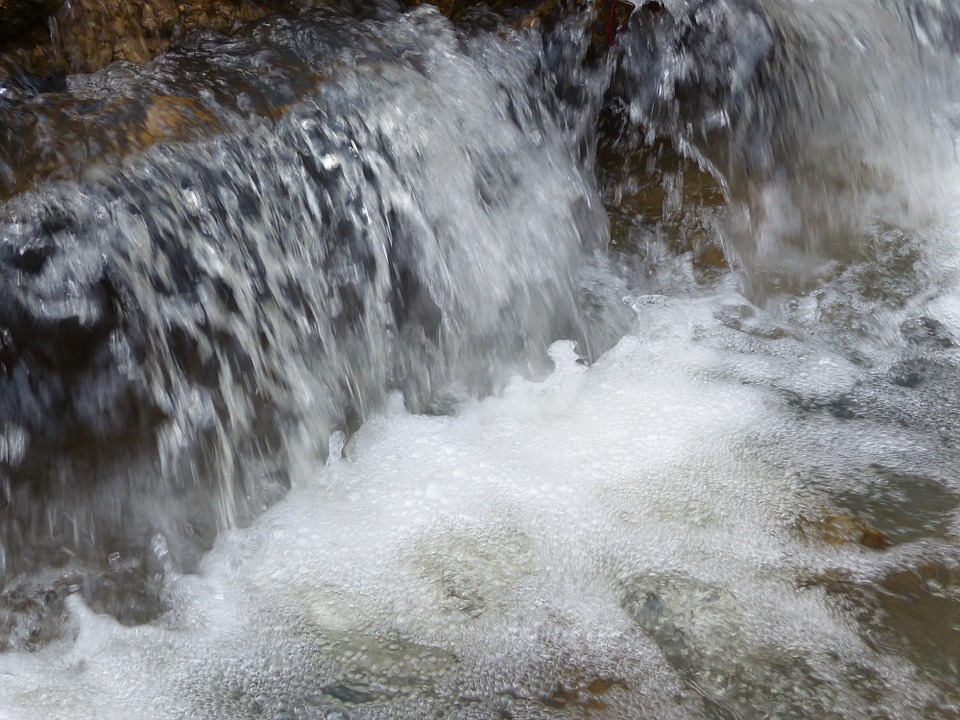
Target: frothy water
[
  {"x": 619, "y": 539},
  {"x": 817, "y": 118},
  {"x": 462, "y": 455}
]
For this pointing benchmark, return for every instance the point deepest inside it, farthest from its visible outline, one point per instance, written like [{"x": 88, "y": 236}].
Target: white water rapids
[
  {"x": 617, "y": 540},
  {"x": 747, "y": 507}
]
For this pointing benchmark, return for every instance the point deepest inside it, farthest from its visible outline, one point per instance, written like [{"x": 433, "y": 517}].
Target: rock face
[
  {"x": 86, "y": 35},
  {"x": 82, "y": 36},
  {"x": 18, "y": 15}
]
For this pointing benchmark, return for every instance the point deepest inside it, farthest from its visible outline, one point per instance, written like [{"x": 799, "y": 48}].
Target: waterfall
[{"x": 555, "y": 361}]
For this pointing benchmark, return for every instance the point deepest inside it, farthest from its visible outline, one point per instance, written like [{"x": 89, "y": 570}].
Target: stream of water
[{"x": 561, "y": 363}]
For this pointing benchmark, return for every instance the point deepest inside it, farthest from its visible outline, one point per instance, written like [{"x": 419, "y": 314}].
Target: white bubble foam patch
[{"x": 608, "y": 542}]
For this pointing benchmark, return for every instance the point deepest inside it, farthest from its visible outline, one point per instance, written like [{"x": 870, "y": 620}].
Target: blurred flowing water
[{"x": 574, "y": 361}]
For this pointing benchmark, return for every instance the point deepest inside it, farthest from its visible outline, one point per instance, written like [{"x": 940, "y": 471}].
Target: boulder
[
  {"x": 86, "y": 35},
  {"x": 17, "y": 16}
]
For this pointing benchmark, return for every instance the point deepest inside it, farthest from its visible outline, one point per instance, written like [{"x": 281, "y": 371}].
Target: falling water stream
[{"x": 373, "y": 364}]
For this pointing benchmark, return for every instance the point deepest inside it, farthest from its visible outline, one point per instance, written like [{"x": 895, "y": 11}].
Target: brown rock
[
  {"x": 838, "y": 529},
  {"x": 16, "y": 16},
  {"x": 86, "y": 35},
  {"x": 111, "y": 128},
  {"x": 913, "y": 611}
]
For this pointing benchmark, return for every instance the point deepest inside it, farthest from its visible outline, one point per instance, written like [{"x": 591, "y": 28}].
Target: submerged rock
[
  {"x": 701, "y": 630},
  {"x": 839, "y": 529}
]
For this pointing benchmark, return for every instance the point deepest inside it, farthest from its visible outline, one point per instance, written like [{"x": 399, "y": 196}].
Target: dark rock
[
  {"x": 86, "y": 35},
  {"x": 908, "y": 373},
  {"x": 836, "y": 528},
  {"x": 928, "y": 332},
  {"x": 17, "y": 16}
]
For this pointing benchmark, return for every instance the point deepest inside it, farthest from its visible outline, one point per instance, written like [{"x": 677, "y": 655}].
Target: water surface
[{"x": 362, "y": 367}]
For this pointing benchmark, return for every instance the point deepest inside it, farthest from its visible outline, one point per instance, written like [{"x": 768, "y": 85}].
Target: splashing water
[
  {"x": 818, "y": 118},
  {"x": 297, "y": 294},
  {"x": 265, "y": 284}
]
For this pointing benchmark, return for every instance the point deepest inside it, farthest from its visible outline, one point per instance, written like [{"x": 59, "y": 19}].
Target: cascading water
[
  {"x": 257, "y": 286},
  {"x": 278, "y": 431},
  {"x": 808, "y": 112}
]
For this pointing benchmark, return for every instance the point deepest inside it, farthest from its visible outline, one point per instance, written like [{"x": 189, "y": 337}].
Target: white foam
[{"x": 619, "y": 521}]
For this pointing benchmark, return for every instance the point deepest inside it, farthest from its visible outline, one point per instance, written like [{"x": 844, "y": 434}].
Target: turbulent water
[{"x": 580, "y": 362}]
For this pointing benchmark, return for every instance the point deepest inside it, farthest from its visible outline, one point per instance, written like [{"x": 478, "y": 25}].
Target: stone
[
  {"x": 16, "y": 16},
  {"x": 839, "y": 529},
  {"x": 86, "y": 35}
]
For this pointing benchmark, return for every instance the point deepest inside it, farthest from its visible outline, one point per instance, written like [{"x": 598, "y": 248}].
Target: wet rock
[
  {"x": 915, "y": 611},
  {"x": 87, "y": 133},
  {"x": 650, "y": 186},
  {"x": 32, "y": 613},
  {"x": 86, "y": 35},
  {"x": 521, "y": 12},
  {"x": 33, "y": 609},
  {"x": 588, "y": 696},
  {"x": 19, "y": 15},
  {"x": 841, "y": 407},
  {"x": 746, "y": 319},
  {"x": 340, "y": 674},
  {"x": 839, "y": 529},
  {"x": 184, "y": 95},
  {"x": 908, "y": 373},
  {"x": 698, "y": 628},
  {"x": 927, "y": 332},
  {"x": 608, "y": 18},
  {"x": 876, "y": 501},
  {"x": 485, "y": 569}
]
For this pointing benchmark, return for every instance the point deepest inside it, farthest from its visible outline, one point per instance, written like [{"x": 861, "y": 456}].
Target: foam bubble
[{"x": 617, "y": 538}]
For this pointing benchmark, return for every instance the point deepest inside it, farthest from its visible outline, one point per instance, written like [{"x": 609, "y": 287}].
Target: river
[{"x": 536, "y": 363}]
